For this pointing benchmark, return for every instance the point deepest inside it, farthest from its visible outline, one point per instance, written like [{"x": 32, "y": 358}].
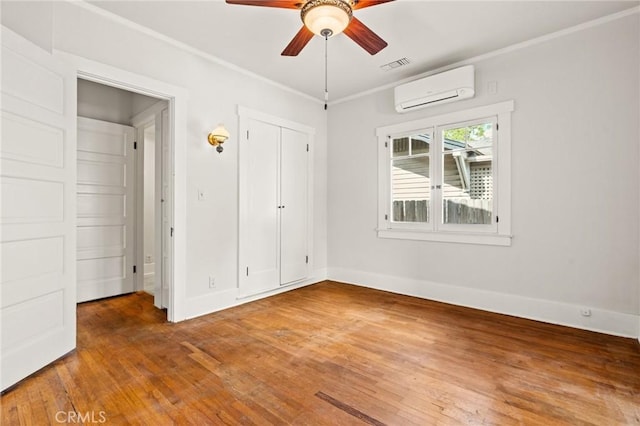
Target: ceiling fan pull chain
[{"x": 326, "y": 34}]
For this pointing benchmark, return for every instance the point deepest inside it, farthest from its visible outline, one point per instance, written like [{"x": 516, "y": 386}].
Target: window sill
[{"x": 446, "y": 237}]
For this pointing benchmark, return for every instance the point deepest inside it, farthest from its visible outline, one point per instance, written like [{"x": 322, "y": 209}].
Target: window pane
[
  {"x": 476, "y": 136},
  {"x": 400, "y": 147},
  {"x": 410, "y": 189},
  {"x": 467, "y": 175},
  {"x": 420, "y": 144}
]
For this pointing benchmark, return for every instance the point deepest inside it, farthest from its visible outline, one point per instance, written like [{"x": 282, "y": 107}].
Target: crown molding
[
  {"x": 502, "y": 51},
  {"x": 185, "y": 47},
  {"x": 214, "y": 59}
]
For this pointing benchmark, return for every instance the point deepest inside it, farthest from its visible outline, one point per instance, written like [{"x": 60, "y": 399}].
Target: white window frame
[{"x": 499, "y": 233}]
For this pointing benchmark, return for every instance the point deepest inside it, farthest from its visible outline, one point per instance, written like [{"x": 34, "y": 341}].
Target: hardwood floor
[{"x": 330, "y": 354}]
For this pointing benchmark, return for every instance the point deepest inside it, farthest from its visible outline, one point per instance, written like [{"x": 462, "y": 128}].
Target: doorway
[
  {"x": 153, "y": 221},
  {"x": 124, "y": 193}
]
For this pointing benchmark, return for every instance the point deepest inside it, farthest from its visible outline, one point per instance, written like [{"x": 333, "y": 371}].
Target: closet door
[
  {"x": 263, "y": 195},
  {"x": 275, "y": 205},
  {"x": 294, "y": 201}
]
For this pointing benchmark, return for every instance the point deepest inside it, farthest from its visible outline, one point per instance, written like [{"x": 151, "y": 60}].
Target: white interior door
[
  {"x": 164, "y": 221},
  {"x": 263, "y": 224},
  {"x": 294, "y": 201},
  {"x": 38, "y": 175},
  {"x": 105, "y": 209}
]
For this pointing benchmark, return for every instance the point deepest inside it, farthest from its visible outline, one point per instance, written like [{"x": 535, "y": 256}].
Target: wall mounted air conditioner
[{"x": 436, "y": 89}]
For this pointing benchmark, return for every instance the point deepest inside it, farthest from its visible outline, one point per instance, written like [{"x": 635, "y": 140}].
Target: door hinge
[
  {"x": 247, "y": 271},
  {"x": 306, "y": 259},
  {"x": 307, "y": 147},
  {"x": 135, "y": 269},
  {"x": 386, "y": 144},
  {"x": 171, "y": 231},
  {"x": 497, "y": 219},
  {"x": 386, "y": 217},
  {"x": 497, "y": 126},
  {"x": 247, "y": 135},
  {"x": 135, "y": 145}
]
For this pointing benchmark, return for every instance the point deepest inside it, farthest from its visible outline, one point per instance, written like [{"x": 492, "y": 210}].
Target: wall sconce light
[{"x": 218, "y": 136}]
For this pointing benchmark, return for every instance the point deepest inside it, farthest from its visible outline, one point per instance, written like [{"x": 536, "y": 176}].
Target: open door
[
  {"x": 37, "y": 219},
  {"x": 105, "y": 209}
]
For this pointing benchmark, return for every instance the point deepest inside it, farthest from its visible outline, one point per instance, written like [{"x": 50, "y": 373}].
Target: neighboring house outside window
[{"x": 447, "y": 178}]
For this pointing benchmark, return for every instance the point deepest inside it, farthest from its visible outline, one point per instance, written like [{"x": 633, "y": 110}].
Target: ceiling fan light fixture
[{"x": 321, "y": 15}]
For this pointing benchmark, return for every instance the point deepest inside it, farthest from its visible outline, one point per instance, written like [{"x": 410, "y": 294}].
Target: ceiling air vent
[{"x": 395, "y": 64}]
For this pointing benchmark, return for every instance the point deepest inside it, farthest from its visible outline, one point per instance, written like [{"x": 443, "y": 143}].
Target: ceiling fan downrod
[{"x": 326, "y": 33}]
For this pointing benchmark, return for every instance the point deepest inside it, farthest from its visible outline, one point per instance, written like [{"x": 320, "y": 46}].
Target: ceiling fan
[{"x": 326, "y": 18}]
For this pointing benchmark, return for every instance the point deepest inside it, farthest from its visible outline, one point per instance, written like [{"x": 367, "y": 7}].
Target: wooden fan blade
[
  {"x": 298, "y": 43},
  {"x": 284, "y": 4},
  {"x": 367, "y": 39},
  {"x": 361, "y": 4}
]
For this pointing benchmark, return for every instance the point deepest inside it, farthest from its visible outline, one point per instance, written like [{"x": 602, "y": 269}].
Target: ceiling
[{"x": 431, "y": 34}]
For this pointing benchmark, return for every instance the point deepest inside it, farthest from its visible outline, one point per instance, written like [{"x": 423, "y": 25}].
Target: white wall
[
  {"x": 575, "y": 189},
  {"x": 108, "y": 103},
  {"x": 214, "y": 92},
  {"x": 33, "y": 20},
  {"x": 104, "y": 103}
]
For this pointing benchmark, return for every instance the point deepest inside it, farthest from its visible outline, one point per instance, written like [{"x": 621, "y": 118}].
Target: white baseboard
[
  {"x": 223, "y": 299},
  {"x": 603, "y": 321},
  {"x": 148, "y": 279}
]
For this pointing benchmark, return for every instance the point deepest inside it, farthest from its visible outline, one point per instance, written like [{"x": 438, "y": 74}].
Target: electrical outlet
[
  {"x": 585, "y": 312},
  {"x": 212, "y": 282}
]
